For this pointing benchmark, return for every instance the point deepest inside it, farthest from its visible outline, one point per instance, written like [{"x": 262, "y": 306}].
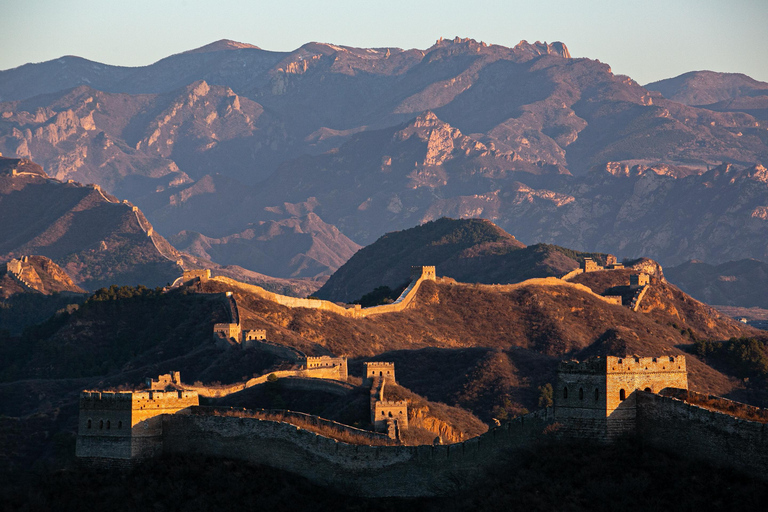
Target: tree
[{"x": 545, "y": 395}]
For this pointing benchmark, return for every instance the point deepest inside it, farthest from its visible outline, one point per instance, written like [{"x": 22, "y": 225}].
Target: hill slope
[
  {"x": 468, "y": 250},
  {"x": 708, "y": 87},
  {"x": 95, "y": 238},
  {"x": 460, "y": 129}
]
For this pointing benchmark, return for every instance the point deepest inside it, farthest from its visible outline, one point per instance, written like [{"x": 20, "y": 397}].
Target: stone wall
[
  {"x": 385, "y": 411},
  {"x": 724, "y": 440},
  {"x": 331, "y": 373},
  {"x": 352, "y": 469},
  {"x": 596, "y": 398},
  {"x": 381, "y": 369},
  {"x": 227, "y": 331},
  {"x": 334, "y": 387},
  {"x": 338, "y": 364},
  {"x": 126, "y": 425},
  {"x": 573, "y": 273},
  {"x": 400, "y": 304},
  {"x": 281, "y": 351}
]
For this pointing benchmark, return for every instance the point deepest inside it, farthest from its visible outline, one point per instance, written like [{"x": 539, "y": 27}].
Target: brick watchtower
[
  {"x": 128, "y": 425},
  {"x": 596, "y": 398}
]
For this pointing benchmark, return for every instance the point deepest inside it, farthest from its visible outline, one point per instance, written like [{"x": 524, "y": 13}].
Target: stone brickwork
[
  {"x": 419, "y": 275},
  {"x": 386, "y": 415},
  {"x": 256, "y": 334},
  {"x": 596, "y": 398},
  {"x": 189, "y": 275},
  {"x": 330, "y": 363},
  {"x": 379, "y": 369},
  {"x": 637, "y": 280},
  {"x": 362, "y": 470},
  {"x": 589, "y": 265},
  {"x": 126, "y": 425},
  {"x": 227, "y": 331},
  {"x": 427, "y": 273},
  {"x": 164, "y": 381},
  {"x": 385, "y": 412},
  {"x": 721, "y": 439},
  {"x": 119, "y": 427}
]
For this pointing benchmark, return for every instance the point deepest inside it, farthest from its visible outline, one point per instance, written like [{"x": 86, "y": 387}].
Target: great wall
[
  {"x": 420, "y": 274},
  {"x": 601, "y": 399},
  {"x": 597, "y": 400}
]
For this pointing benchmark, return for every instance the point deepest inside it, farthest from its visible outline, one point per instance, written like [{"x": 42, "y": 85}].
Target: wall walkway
[
  {"x": 400, "y": 304},
  {"x": 326, "y": 374}
]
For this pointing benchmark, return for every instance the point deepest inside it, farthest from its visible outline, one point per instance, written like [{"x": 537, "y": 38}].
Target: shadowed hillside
[{"x": 96, "y": 239}]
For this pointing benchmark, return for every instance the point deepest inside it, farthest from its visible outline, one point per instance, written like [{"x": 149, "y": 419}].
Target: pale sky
[{"x": 647, "y": 40}]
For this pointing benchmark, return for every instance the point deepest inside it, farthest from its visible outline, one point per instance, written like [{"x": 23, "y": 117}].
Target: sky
[{"x": 648, "y": 40}]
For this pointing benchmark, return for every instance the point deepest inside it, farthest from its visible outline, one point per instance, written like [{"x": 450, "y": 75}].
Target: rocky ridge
[{"x": 462, "y": 128}]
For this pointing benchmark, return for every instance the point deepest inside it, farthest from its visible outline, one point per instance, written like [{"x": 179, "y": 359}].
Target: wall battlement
[
  {"x": 597, "y": 398},
  {"x": 423, "y": 272},
  {"x": 626, "y": 364},
  {"x": 189, "y": 275},
  {"x": 354, "y": 311},
  {"x": 663, "y": 364},
  {"x": 362, "y": 469},
  {"x": 385, "y": 370},
  {"x": 328, "y": 363}
]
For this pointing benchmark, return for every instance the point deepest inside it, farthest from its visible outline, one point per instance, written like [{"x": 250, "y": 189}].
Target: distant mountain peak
[
  {"x": 222, "y": 45},
  {"x": 555, "y": 48}
]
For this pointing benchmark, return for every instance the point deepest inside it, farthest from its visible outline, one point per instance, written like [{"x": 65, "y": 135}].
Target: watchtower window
[
  {"x": 89, "y": 423},
  {"x": 119, "y": 424},
  {"x": 565, "y": 392},
  {"x": 597, "y": 394},
  {"x": 101, "y": 424},
  {"x": 109, "y": 424},
  {"x": 622, "y": 395},
  {"x": 382, "y": 413},
  {"x": 180, "y": 395},
  {"x": 581, "y": 393},
  {"x": 381, "y": 373},
  {"x": 390, "y": 414}
]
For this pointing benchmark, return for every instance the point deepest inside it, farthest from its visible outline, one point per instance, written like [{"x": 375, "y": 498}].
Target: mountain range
[{"x": 221, "y": 142}]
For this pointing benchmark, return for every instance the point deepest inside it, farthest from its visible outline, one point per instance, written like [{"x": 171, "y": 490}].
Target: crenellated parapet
[
  {"x": 334, "y": 367},
  {"x": 597, "y": 397},
  {"x": 384, "y": 370},
  {"x": 127, "y": 424},
  {"x": 423, "y": 272},
  {"x": 386, "y": 411}
]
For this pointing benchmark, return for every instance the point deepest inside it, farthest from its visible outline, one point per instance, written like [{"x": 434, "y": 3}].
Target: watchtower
[
  {"x": 596, "y": 398},
  {"x": 227, "y": 331},
  {"x": 163, "y": 381},
  {"x": 638, "y": 280},
  {"x": 126, "y": 425},
  {"x": 427, "y": 273},
  {"x": 386, "y": 371},
  {"x": 385, "y": 411},
  {"x": 589, "y": 265},
  {"x": 324, "y": 363},
  {"x": 203, "y": 274}
]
